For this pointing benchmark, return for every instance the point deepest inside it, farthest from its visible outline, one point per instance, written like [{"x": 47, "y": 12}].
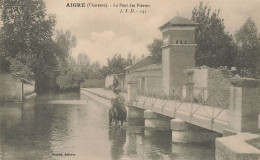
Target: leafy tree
[
  {"x": 114, "y": 66},
  {"x": 69, "y": 74},
  {"x": 156, "y": 50},
  {"x": 95, "y": 71},
  {"x": 104, "y": 71},
  {"x": 65, "y": 42},
  {"x": 215, "y": 47},
  {"x": 248, "y": 49},
  {"x": 84, "y": 63},
  {"x": 26, "y": 36},
  {"x": 129, "y": 59},
  {"x": 90, "y": 71},
  {"x": 83, "y": 60}
]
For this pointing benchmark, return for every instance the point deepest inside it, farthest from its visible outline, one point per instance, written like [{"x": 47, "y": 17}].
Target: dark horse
[{"x": 117, "y": 112}]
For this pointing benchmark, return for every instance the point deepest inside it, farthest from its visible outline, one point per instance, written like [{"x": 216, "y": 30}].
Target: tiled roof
[
  {"x": 152, "y": 67},
  {"x": 179, "y": 21},
  {"x": 138, "y": 61}
]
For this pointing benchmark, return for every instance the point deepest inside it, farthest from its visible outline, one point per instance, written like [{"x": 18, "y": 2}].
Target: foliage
[
  {"x": 88, "y": 70},
  {"x": 116, "y": 64},
  {"x": 26, "y": 36},
  {"x": 156, "y": 50},
  {"x": 104, "y": 71},
  {"x": 69, "y": 74},
  {"x": 19, "y": 69},
  {"x": 215, "y": 47},
  {"x": 84, "y": 63},
  {"x": 65, "y": 42},
  {"x": 248, "y": 49}
]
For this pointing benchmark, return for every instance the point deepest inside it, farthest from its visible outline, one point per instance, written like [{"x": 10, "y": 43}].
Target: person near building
[
  {"x": 115, "y": 83},
  {"x": 234, "y": 73}
]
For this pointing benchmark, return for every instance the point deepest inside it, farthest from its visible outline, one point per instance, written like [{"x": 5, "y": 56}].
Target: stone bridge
[
  {"x": 195, "y": 120},
  {"x": 196, "y": 117}
]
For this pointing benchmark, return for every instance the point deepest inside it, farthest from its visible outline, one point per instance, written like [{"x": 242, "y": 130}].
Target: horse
[{"x": 117, "y": 112}]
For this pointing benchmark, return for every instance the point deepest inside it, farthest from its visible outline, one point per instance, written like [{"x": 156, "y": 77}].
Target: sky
[{"x": 103, "y": 32}]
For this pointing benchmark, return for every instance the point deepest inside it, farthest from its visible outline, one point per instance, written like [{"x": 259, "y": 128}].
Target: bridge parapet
[
  {"x": 235, "y": 108},
  {"x": 205, "y": 107}
]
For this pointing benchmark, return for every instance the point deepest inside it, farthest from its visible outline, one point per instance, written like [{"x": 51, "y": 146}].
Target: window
[
  {"x": 177, "y": 42},
  {"x": 181, "y": 42},
  {"x": 185, "y": 42}
]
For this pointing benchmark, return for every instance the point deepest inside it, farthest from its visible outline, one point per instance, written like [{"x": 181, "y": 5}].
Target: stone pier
[
  {"x": 135, "y": 116},
  {"x": 244, "y": 105},
  {"x": 183, "y": 132},
  {"x": 154, "y": 120}
]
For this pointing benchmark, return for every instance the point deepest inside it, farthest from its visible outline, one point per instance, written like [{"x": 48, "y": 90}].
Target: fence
[{"x": 209, "y": 103}]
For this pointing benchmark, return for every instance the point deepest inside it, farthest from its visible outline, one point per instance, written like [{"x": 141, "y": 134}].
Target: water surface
[{"x": 74, "y": 124}]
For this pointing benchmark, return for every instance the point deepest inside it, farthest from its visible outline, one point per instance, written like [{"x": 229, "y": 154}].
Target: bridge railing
[{"x": 210, "y": 103}]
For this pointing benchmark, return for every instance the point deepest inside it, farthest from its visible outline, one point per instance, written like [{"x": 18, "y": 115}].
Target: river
[{"x": 75, "y": 127}]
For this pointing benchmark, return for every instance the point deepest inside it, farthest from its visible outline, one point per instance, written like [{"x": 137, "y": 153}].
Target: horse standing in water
[{"x": 117, "y": 112}]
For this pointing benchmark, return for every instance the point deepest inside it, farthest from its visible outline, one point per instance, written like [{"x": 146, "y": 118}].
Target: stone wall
[
  {"x": 175, "y": 59},
  {"x": 152, "y": 76},
  {"x": 209, "y": 82},
  {"x": 11, "y": 88},
  {"x": 121, "y": 79},
  {"x": 109, "y": 81},
  {"x": 28, "y": 88}
]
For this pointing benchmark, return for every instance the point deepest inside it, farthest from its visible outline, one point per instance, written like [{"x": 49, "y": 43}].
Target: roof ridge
[{"x": 179, "y": 21}]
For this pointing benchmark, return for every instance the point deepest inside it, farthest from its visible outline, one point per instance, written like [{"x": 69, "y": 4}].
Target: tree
[
  {"x": 248, "y": 49},
  {"x": 69, "y": 75},
  {"x": 156, "y": 50},
  {"x": 83, "y": 60},
  {"x": 65, "y": 42},
  {"x": 95, "y": 68},
  {"x": 215, "y": 47},
  {"x": 69, "y": 72},
  {"x": 84, "y": 63},
  {"x": 104, "y": 71},
  {"x": 129, "y": 59},
  {"x": 116, "y": 64},
  {"x": 26, "y": 36}
]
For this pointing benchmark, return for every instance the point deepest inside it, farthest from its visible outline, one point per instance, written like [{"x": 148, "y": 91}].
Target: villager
[
  {"x": 234, "y": 72},
  {"x": 118, "y": 103},
  {"x": 115, "y": 83}
]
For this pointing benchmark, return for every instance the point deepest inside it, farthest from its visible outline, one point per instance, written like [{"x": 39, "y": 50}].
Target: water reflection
[
  {"x": 37, "y": 129},
  {"x": 117, "y": 136}
]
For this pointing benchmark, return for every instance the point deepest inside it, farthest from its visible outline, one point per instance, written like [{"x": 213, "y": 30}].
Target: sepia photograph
[{"x": 129, "y": 80}]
